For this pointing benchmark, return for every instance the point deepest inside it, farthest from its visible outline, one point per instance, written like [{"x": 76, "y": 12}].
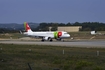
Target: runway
[{"x": 86, "y": 43}]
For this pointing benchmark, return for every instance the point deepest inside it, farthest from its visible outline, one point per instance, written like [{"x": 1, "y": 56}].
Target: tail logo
[{"x": 26, "y": 26}]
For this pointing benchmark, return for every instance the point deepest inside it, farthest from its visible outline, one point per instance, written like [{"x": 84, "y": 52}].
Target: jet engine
[{"x": 46, "y": 38}]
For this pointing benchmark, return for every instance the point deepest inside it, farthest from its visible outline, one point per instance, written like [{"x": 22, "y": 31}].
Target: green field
[
  {"x": 17, "y": 57},
  {"x": 87, "y": 35}
]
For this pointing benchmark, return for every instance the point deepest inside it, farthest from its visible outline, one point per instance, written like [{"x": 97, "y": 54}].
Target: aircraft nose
[{"x": 68, "y": 35}]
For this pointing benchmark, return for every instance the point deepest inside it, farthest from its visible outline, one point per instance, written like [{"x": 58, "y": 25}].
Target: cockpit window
[{"x": 65, "y": 33}]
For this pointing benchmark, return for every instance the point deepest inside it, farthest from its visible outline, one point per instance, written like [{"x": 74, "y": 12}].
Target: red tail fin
[{"x": 27, "y": 27}]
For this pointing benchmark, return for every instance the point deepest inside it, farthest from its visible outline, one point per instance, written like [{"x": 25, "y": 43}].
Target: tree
[{"x": 68, "y": 24}]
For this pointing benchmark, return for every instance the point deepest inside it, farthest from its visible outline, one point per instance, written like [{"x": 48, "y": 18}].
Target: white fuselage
[
  {"x": 46, "y": 34},
  {"x": 58, "y": 35}
]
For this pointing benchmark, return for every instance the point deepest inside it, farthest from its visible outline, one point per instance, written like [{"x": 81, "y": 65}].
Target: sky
[{"x": 58, "y": 11}]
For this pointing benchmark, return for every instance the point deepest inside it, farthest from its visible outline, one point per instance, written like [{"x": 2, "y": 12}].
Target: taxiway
[{"x": 85, "y": 43}]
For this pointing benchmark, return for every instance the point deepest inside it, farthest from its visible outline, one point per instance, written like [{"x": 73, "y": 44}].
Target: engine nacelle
[
  {"x": 46, "y": 38},
  {"x": 59, "y": 39}
]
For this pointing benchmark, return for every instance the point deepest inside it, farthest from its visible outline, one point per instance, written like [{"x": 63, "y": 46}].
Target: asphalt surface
[{"x": 80, "y": 43}]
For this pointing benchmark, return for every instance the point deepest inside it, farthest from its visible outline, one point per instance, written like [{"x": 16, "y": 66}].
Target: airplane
[{"x": 48, "y": 35}]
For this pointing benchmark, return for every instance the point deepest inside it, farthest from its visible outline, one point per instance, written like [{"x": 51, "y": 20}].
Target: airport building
[{"x": 69, "y": 28}]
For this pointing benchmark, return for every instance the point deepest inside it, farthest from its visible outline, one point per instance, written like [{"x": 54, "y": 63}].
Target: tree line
[
  {"x": 5, "y": 30},
  {"x": 86, "y": 26}
]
